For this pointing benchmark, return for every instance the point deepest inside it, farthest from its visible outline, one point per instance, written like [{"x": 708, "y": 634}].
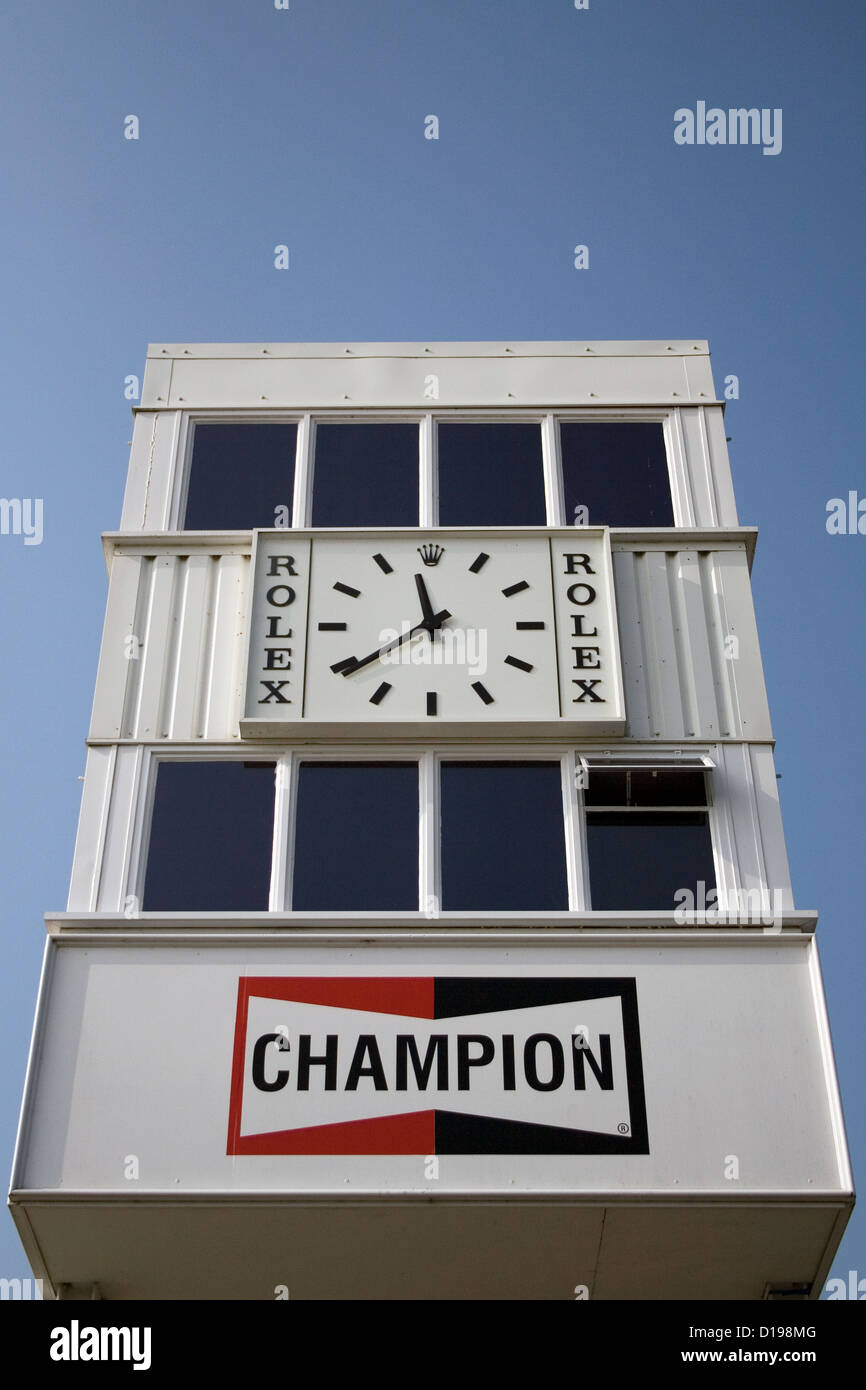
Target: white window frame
[
  {"x": 428, "y": 472},
  {"x": 429, "y": 760}
]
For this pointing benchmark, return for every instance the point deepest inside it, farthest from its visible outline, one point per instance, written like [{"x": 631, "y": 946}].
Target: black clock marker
[
  {"x": 431, "y": 701},
  {"x": 333, "y": 627},
  {"x": 478, "y": 563},
  {"x": 347, "y": 589},
  {"x": 347, "y": 665},
  {"x": 383, "y": 564},
  {"x": 378, "y": 695},
  {"x": 482, "y": 692},
  {"x": 529, "y": 627},
  {"x": 515, "y": 661},
  {"x": 512, "y": 588}
]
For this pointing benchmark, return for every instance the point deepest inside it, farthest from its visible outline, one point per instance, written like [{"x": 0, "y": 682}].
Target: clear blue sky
[{"x": 306, "y": 127}]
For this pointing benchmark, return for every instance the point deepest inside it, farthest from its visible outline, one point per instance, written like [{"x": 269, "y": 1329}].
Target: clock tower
[{"x": 430, "y": 930}]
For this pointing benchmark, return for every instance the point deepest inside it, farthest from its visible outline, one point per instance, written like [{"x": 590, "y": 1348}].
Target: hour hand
[{"x": 426, "y": 605}]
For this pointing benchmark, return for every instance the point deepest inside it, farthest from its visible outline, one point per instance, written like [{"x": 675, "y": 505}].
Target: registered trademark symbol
[{"x": 623, "y": 1129}]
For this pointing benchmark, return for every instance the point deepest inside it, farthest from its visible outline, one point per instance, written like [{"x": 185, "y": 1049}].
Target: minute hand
[{"x": 434, "y": 622}]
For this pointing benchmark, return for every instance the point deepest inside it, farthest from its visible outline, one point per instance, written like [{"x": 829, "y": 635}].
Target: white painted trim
[
  {"x": 679, "y": 471},
  {"x": 429, "y": 840},
  {"x": 825, "y": 1043},
  {"x": 283, "y": 848},
  {"x": 300, "y": 489},
  {"x": 554, "y": 492},
  {"x": 428, "y": 474}
]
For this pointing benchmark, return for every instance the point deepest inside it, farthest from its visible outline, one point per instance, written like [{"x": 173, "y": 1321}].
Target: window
[
  {"x": 366, "y": 475},
  {"x": 211, "y": 837},
  {"x": 241, "y": 476},
  {"x": 617, "y": 471},
  {"x": 503, "y": 840},
  {"x": 356, "y": 837},
  {"x": 382, "y": 834},
  {"x": 490, "y": 475},
  {"x": 648, "y": 836}
]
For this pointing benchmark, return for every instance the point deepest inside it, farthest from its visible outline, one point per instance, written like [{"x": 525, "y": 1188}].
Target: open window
[{"x": 648, "y": 832}]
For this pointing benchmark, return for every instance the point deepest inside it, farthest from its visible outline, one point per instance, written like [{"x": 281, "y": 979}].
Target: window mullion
[
  {"x": 428, "y": 510},
  {"x": 283, "y": 842},
  {"x": 553, "y": 489},
  {"x": 429, "y": 858},
  {"x": 302, "y": 502},
  {"x": 575, "y": 834}
]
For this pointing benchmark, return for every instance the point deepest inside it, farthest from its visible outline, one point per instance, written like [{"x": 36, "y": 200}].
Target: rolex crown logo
[{"x": 431, "y": 554}]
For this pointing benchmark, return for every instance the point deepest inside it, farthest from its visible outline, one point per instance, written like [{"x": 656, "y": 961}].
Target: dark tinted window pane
[
  {"x": 491, "y": 475},
  {"x": 640, "y": 861},
  {"x": 239, "y": 476},
  {"x": 211, "y": 838},
  {"x": 503, "y": 840},
  {"x": 618, "y": 471},
  {"x": 366, "y": 475},
  {"x": 356, "y": 838},
  {"x": 645, "y": 786}
]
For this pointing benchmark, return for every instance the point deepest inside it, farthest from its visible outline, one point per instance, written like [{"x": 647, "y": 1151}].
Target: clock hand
[
  {"x": 426, "y": 605},
  {"x": 430, "y": 625}
]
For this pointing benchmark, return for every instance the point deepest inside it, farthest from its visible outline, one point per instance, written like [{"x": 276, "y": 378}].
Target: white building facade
[{"x": 430, "y": 931}]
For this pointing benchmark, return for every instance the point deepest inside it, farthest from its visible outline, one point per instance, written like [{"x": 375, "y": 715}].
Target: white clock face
[{"x": 431, "y": 628}]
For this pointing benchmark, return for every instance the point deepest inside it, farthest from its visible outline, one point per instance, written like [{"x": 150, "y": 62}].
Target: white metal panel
[
  {"x": 124, "y": 1066},
  {"x": 123, "y": 815},
  {"x": 691, "y": 639},
  {"x": 769, "y": 817},
  {"x": 154, "y": 462},
  {"x": 356, "y": 381},
  {"x": 744, "y": 669},
  {"x": 700, "y": 474},
  {"x": 156, "y": 387},
  {"x": 691, "y": 662},
  {"x": 221, "y": 694},
  {"x": 191, "y": 628},
  {"x": 92, "y": 829},
  {"x": 735, "y": 785},
  {"x": 120, "y": 649},
  {"x": 720, "y": 466},
  {"x": 611, "y": 347},
  {"x": 632, "y": 645},
  {"x": 662, "y": 665}
]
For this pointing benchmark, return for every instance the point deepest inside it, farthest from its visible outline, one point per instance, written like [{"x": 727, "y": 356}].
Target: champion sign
[{"x": 436, "y": 1066}]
